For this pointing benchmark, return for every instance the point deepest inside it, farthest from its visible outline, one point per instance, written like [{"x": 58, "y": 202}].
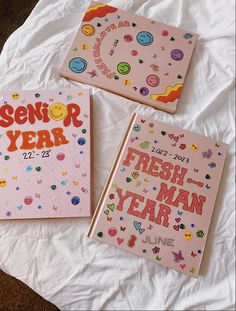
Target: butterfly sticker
[
  {"x": 109, "y": 218},
  {"x": 196, "y": 170},
  {"x": 84, "y": 174},
  {"x": 86, "y": 116},
  {"x": 77, "y": 165},
  {"x": 19, "y": 207},
  {"x": 178, "y": 257},
  {"x": 55, "y": 207},
  {"x": 37, "y": 195},
  {"x": 193, "y": 254},
  {"x": 122, "y": 228},
  {"x": 64, "y": 173},
  {"x": 143, "y": 121},
  {"x": 150, "y": 227},
  {"x": 180, "y": 213},
  {"x": 39, "y": 181},
  {"x": 207, "y": 186},
  {"x": 158, "y": 258},
  {"x": 76, "y": 183},
  {"x": 14, "y": 177}
]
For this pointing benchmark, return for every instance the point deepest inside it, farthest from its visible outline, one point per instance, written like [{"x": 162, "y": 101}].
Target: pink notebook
[
  {"x": 160, "y": 195},
  {"x": 130, "y": 55},
  {"x": 45, "y": 154}
]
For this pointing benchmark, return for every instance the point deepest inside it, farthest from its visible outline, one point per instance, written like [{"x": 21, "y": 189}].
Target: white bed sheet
[{"x": 56, "y": 258}]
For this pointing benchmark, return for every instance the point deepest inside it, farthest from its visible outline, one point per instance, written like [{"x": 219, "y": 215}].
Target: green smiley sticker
[{"x": 123, "y": 68}]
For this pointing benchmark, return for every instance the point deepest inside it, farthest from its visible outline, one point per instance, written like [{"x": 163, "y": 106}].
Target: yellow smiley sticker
[
  {"x": 194, "y": 147},
  {"x": 58, "y": 111},
  {"x": 15, "y": 96},
  {"x": 188, "y": 235},
  {"x": 88, "y": 30},
  {"x": 3, "y": 183}
]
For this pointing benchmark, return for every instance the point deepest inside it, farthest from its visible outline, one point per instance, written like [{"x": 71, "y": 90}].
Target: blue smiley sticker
[
  {"x": 78, "y": 65},
  {"x": 144, "y": 38}
]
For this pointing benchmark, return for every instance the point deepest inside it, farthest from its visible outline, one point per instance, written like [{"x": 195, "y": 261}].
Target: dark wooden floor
[
  {"x": 16, "y": 296},
  {"x": 13, "y": 13}
]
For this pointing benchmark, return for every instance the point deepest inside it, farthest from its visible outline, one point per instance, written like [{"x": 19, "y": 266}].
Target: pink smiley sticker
[{"x": 153, "y": 80}]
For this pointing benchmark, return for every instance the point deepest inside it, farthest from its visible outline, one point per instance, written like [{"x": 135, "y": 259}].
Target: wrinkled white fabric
[{"x": 55, "y": 257}]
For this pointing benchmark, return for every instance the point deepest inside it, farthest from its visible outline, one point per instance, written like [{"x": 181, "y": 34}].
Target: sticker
[
  {"x": 132, "y": 240},
  {"x": 137, "y": 128},
  {"x": 177, "y": 54},
  {"x": 144, "y": 91},
  {"x": 188, "y": 236},
  {"x": 3, "y": 183},
  {"x": 200, "y": 234},
  {"x": 164, "y": 33},
  {"x": 120, "y": 240},
  {"x": 100, "y": 234},
  {"x": 194, "y": 147},
  {"x": 144, "y": 38},
  {"x": 128, "y": 38},
  {"x": 75, "y": 200},
  {"x": 134, "y": 52},
  {"x": 15, "y": 96},
  {"x": 207, "y": 154},
  {"x": 187, "y": 36},
  {"x": 28, "y": 200},
  {"x": 58, "y": 111},
  {"x": 137, "y": 226},
  {"x": 88, "y": 30},
  {"x": 153, "y": 80},
  {"x": 178, "y": 257},
  {"x": 123, "y": 68},
  {"x": 112, "y": 231},
  {"x": 78, "y": 65}
]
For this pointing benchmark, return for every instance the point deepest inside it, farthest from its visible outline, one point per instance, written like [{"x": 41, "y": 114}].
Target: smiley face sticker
[
  {"x": 15, "y": 96},
  {"x": 78, "y": 65},
  {"x": 57, "y": 111},
  {"x": 144, "y": 38},
  {"x": 3, "y": 183},
  {"x": 177, "y": 54},
  {"x": 153, "y": 80},
  {"x": 123, "y": 68},
  {"x": 88, "y": 30}
]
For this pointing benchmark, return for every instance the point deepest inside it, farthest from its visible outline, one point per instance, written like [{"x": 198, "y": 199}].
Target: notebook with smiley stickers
[
  {"x": 130, "y": 55},
  {"x": 159, "y": 198},
  {"x": 45, "y": 154}
]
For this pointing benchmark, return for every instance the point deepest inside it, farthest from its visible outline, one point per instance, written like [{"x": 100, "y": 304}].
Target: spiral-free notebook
[
  {"x": 45, "y": 154},
  {"x": 160, "y": 195},
  {"x": 130, "y": 55}
]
